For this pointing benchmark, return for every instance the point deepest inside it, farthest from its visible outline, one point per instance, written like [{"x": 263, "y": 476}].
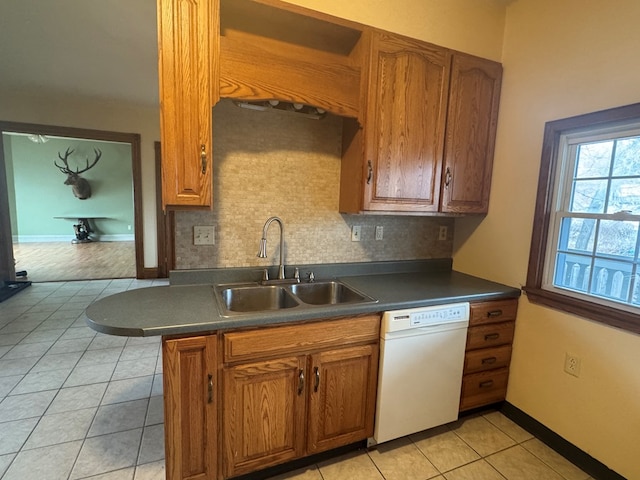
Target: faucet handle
[
  {"x": 296, "y": 274},
  {"x": 265, "y": 275},
  {"x": 312, "y": 277}
]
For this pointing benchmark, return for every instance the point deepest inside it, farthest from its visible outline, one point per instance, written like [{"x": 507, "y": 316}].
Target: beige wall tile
[{"x": 278, "y": 164}]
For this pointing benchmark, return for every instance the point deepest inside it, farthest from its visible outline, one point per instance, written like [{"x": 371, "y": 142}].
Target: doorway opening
[{"x": 47, "y": 232}]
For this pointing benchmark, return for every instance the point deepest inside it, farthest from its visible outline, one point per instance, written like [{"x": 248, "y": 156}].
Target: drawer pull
[
  {"x": 494, "y": 313},
  {"x": 300, "y": 382},
  {"x": 316, "y": 371},
  {"x": 486, "y": 384},
  {"x": 489, "y": 360},
  {"x": 492, "y": 336},
  {"x": 210, "y": 388}
]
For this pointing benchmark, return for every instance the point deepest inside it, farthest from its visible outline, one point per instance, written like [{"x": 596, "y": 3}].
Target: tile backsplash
[{"x": 286, "y": 165}]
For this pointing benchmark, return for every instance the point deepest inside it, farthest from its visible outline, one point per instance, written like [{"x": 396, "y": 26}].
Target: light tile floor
[{"x": 77, "y": 404}]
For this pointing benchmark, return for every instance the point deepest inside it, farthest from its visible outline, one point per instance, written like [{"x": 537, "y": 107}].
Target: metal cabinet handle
[
  {"x": 492, "y": 336},
  {"x": 447, "y": 178},
  {"x": 494, "y": 313},
  {"x": 203, "y": 157},
  {"x": 486, "y": 384},
  {"x": 316, "y": 372},
  {"x": 370, "y": 172},
  {"x": 210, "y": 389},
  {"x": 489, "y": 360},
  {"x": 300, "y": 382}
]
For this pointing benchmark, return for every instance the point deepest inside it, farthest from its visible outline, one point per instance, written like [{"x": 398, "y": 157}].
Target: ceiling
[{"x": 104, "y": 49}]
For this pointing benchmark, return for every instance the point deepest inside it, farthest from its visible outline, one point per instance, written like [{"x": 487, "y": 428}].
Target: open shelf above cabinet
[{"x": 271, "y": 50}]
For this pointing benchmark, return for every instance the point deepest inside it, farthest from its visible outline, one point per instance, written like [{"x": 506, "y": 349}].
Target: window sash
[{"x": 561, "y": 140}]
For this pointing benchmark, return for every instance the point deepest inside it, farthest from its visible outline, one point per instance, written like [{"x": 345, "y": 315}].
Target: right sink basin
[{"x": 327, "y": 293}]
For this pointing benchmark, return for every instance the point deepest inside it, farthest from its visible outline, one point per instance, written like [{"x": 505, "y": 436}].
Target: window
[{"x": 585, "y": 250}]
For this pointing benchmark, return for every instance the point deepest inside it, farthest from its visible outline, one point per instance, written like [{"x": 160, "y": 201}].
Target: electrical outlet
[
  {"x": 379, "y": 232},
  {"x": 572, "y": 365},
  {"x": 442, "y": 233},
  {"x": 355, "y": 233},
  {"x": 204, "y": 235}
]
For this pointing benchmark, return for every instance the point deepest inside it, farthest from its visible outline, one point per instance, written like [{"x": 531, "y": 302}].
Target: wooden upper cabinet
[
  {"x": 471, "y": 130},
  {"x": 190, "y": 405},
  {"x": 405, "y": 122},
  {"x": 187, "y": 52}
]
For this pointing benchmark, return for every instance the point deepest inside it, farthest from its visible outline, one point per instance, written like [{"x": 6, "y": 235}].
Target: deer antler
[
  {"x": 66, "y": 168},
  {"x": 98, "y": 155}
]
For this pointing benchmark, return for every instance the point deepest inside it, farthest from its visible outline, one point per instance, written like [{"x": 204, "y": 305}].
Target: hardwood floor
[{"x": 64, "y": 261}]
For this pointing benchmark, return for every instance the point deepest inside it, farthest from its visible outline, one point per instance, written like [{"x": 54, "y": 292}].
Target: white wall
[
  {"x": 28, "y": 107},
  {"x": 560, "y": 59}
]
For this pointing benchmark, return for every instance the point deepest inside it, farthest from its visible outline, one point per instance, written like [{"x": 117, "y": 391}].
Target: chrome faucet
[{"x": 262, "y": 253}]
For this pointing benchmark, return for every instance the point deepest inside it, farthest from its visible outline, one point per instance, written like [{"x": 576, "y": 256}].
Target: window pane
[
  {"x": 594, "y": 159},
  {"x": 577, "y": 234},
  {"x": 617, "y": 238},
  {"x": 588, "y": 196},
  {"x": 624, "y": 195},
  {"x": 611, "y": 279},
  {"x": 627, "y": 158},
  {"x": 572, "y": 271}
]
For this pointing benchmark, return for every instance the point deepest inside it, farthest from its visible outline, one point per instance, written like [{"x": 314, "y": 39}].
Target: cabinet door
[
  {"x": 190, "y": 407},
  {"x": 405, "y": 124},
  {"x": 471, "y": 130},
  {"x": 342, "y": 397},
  {"x": 186, "y": 37},
  {"x": 264, "y": 414}
]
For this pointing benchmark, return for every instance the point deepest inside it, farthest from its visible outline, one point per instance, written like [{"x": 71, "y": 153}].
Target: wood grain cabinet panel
[
  {"x": 264, "y": 414},
  {"x": 190, "y": 405},
  {"x": 342, "y": 397},
  {"x": 470, "y": 137},
  {"x": 405, "y": 123},
  {"x": 187, "y": 56}
]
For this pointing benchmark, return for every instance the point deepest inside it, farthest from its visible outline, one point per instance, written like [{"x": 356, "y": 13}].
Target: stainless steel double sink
[{"x": 255, "y": 298}]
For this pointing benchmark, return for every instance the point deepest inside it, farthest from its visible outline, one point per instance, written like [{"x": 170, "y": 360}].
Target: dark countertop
[{"x": 183, "y": 308}]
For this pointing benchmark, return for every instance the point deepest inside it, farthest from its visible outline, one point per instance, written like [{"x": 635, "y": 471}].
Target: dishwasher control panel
[{"x": 425, "y": 316}]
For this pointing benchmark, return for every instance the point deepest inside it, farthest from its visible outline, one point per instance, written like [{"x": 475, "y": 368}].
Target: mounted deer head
[{"x": 81, "y": 187}]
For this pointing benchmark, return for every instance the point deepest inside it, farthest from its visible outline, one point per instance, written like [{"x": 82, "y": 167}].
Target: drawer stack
[{"x": 488, "y": 353}]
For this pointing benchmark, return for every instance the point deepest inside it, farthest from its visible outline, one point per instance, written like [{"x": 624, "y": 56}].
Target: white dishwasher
[{"x": 420, "y": 376}]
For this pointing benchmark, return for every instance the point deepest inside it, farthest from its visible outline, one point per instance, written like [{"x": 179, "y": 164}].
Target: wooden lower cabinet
[
  {"x": 342, "y": 397},
  {"x": 267, "y": 395},
  {"x": 190, "y": 407},
  {"x": 488, "y": 353},
  {"x": 264, "y": 414},
  {"x": 280, "y": 408}
]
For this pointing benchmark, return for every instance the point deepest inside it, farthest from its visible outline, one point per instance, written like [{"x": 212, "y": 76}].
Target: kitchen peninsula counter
[{"x": 188, "y": 305}]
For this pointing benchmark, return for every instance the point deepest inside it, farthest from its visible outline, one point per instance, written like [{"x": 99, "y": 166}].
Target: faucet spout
[{"x": 262, "y": 253}]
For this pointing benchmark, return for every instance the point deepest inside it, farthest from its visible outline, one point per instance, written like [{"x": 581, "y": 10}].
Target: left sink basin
[{"x": 253, "y": 298}]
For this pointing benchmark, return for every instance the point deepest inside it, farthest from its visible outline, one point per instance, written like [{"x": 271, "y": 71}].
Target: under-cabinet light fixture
[{"x": 279, "y": 106}]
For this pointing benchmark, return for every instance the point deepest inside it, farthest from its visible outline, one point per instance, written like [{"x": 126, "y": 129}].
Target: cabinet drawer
[
  {"x": 490, "y": 335},
  {"x": 487, "y": 359},
  {"x": 492, "y": 312},
  {"x": 293, "y": 339},
  {"x": 483, "y": 388}
]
